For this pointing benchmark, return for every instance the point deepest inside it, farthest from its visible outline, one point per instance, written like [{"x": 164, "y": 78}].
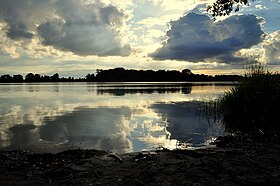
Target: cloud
[
  {"x": 81, "y": 27},
  {"x": 198, "y": 38},
  {"x": 17, "y": 32},
  {"x": 272, "y": 49},
  {"x": 22, "y": 16},
  {"x": 148, "y": 27},
  {"x": 82, "y": 39}
]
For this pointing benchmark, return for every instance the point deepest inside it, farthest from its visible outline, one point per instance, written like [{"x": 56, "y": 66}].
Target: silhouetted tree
[
  {"x": 30, "y": 77},
  {"x": 90, "y": 77},
  {"x": 55, "y": 77},
  {"x": 187, "y": 71},
  {"x": 45, "y": 78},
  {"x": 17, "y": 78},
  {"x": 98, "y": 71},
  {"x": 71, "y": 78},
  {"x": 225, "y": 7},
  {"x": 6, "y": 78},
  {"x": 37, "y": 77}
]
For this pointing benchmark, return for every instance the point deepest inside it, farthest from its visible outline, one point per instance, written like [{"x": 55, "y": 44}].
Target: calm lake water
[{"x": 122, "y": 117}]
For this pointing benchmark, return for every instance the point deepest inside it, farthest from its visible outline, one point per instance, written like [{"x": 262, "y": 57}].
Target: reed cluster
[{"x": 253, "y": 103}]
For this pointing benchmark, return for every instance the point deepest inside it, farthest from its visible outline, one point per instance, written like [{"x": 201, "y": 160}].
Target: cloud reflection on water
[
  {"x": 99, "y": 128},
  {"x": 76, "y": 117},
  {"x": 185, "y": 122}
]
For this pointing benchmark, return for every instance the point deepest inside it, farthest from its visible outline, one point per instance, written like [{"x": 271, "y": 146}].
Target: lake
[{"x": 122, "y": 117}]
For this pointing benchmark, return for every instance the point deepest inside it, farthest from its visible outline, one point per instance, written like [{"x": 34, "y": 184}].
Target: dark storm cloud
[
  {"x": 21, "y": 16},
  {"x": 78, "y": 26},
  {"x": 18, "y": 31},
  {"x": 82, "y": 39},
  {"x": 197, "y": 38}
]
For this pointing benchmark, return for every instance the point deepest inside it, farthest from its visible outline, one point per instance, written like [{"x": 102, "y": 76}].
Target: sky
[{"x": 76, "y": 37}]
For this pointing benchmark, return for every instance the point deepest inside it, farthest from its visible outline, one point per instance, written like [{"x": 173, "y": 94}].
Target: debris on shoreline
[{"x": 232, "y": 163}]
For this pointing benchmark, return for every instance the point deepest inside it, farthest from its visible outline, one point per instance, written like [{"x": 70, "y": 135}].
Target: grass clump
[{"x": 253, "y": 104}]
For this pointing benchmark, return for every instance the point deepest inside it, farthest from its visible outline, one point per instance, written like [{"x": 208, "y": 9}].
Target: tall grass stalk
[{"x": 253, "y": 103}]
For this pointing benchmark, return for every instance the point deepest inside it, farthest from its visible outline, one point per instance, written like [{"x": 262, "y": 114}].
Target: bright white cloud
[{"x": 272, "y": 49}]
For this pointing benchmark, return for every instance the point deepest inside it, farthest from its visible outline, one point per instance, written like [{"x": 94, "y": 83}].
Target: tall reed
[{"x": 253, "y": 103}]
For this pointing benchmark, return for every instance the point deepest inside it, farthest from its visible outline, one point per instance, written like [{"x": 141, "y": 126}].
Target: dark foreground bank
[{"x": 238, "y": 161}]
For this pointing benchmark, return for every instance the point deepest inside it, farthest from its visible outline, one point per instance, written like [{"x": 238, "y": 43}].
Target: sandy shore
[{"x": 243, "y": 163}]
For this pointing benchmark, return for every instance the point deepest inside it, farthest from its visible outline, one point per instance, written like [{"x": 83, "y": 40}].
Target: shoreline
[{"x": 235, "y": 162}]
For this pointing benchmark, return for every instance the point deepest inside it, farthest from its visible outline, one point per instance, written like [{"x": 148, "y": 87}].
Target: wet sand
[{"x": 233, "y": 162}]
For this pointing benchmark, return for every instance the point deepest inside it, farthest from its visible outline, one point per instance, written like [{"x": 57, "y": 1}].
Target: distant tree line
[
  {"x": 122, "y": 75},
  {"x": 30, "y": 77}
]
